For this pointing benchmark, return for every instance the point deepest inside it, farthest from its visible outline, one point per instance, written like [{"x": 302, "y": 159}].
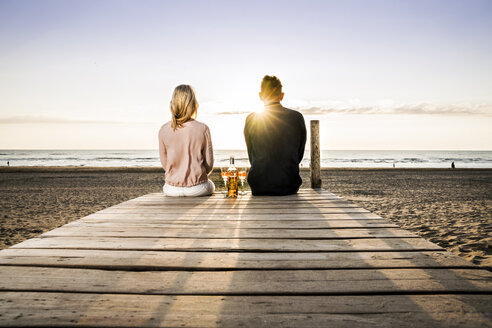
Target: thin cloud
[
  {"x": 54, "y": 120},
  {"x": 411, "y": 109},
  {"x": 324, "y": 111},
  {"x": 417, "y": 109},
  {"x": 481, "y": 109},
  {"x": 233, "y": 113}
]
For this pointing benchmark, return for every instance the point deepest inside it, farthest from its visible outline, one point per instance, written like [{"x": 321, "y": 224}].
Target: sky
[{"x": 389, "y": 75}]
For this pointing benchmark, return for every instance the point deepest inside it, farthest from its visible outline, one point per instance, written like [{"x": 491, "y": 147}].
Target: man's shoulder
[
  {"x": 252, "y": 116},
  {"x": 294, "y": 113}
]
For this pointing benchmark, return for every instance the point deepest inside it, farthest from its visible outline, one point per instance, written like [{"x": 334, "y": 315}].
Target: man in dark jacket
[{"x": 275, "y": 139}]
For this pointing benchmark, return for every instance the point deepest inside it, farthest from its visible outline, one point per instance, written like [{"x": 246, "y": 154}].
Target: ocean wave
[
  {"x": 128, "y": 153},
  {"x": 477, "y": 159},
  {"x": 235, "y": 159},
  {"x": 47, "y": 159},
  {"x": 124, "y": 158},
  {"x": 413, "y": 159},
  {"x": 328, "y": 158}
]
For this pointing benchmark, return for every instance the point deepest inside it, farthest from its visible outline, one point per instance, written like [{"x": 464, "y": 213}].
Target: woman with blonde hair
[{"x": 185, "y": 148}]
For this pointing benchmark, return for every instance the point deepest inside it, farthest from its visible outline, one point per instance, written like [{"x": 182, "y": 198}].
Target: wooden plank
[
  {"x": 278, "y": 204},
  {"x": 246, "y": 282},
  {"x": 227, "y": 233},
  {"x": 228, "y": 217},
  {"x": 240, "y": 200},
  {"x": 262, "y": 245},
  {"x": 236, "y": 211},
  {"x": 221, "y": 196},
  {"x": 236, "y": 224},
  {"x": 150, "y": 260},
  {"x": 302, "y": 191},
  {"x": 219, "y": 205},
  {"x": 239, "y": 208},
  {"x": 249, "y": 197},
  {"x": 104, "y": 310}
]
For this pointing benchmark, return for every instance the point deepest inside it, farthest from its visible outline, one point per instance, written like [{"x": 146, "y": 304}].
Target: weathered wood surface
[
  {"x": 233, "y": 244},
  {"x": 236, "y": 224},
  {"x": 247, "y": 199},
  {"x": 271, "y": 282},
  {"x": 234, "y": 211},
  {"x": 152, "y": 260},
  {"x": 227, "y": 233},
  {"x": 311, "y": 260},
  {"x": 206, "y": 216},
  {"x": 242, "y": 206},
  {"x": 110, "y": 310},
  {"x": 315, "y": 163}
]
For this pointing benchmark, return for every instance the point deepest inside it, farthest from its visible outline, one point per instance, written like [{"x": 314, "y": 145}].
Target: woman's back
[{"x": 186, "y": 153}]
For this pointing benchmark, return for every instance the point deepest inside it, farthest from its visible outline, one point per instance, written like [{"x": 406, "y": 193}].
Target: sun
[{"x": 259, "y": 110}]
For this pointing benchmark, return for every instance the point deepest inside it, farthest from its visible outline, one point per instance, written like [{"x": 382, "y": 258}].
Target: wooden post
[{"x": 315, "y": 156}]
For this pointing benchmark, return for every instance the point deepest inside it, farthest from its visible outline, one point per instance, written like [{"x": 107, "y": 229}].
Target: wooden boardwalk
[{"x": 307, "y": 260}]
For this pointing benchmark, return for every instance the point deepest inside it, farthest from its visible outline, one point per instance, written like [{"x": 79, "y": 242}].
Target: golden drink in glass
[
  {"x": 224, "y": 174},
  {"x": 242, "y": 176}
]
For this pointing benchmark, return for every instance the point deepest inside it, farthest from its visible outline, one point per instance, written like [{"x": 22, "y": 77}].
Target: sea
[{"x": 329, "y": 158}]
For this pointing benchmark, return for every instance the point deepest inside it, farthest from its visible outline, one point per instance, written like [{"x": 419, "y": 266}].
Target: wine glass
[
  {"x": 242, "y": 174},
  {"x": 225, "y": 174}
]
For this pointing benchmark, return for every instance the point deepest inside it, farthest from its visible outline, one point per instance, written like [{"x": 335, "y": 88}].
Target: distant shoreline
[
  {"x": 143, "y": 169},
  {"x": 329, "y": 159}
]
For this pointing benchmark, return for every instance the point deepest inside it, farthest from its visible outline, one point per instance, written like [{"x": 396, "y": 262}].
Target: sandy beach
[{"x": 451, "y": 208}]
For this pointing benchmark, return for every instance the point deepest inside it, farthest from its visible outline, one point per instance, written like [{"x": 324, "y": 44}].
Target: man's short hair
[{"x": 271, "y": 86}]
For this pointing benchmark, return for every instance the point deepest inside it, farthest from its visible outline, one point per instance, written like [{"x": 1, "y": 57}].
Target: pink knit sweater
[{"x": 186, "y": 154}]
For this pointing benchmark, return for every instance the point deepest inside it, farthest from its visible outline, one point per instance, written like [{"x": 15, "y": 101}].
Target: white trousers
[{"x": 203, "y": 189}]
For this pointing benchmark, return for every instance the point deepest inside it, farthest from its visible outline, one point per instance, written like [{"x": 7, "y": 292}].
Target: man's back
[{"x": 275, "y": 139}]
